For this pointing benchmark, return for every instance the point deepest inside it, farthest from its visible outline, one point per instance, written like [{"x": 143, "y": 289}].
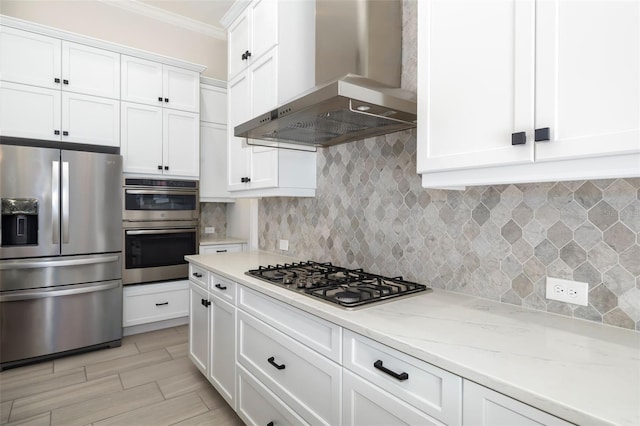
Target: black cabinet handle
[
  {"x": 65, "y": 133},
  {"x": 221, "y": 287},
  {"x": 159, "y": 167},
  {"x": 248, "y": 54},
  {"x": 166, "y": 99},
  {"x": 65, "y": 81},
  {"x": 56, "y": 80},
  {"x": 278, "y": 366},
  {"x": 205, "y": 303},
  {"x": 221, "y": 251},
  {"x": 519, "y": 138},
  {"x": 245, "y": 179},
  {"x": 166, "y": 167},
  {"x": 162, "y": 304},
  {"x": 197, "y": 274},
  {"x": 543, "y": 134},
  {"x": 160, "y": 98},
  {"x": 401, "y": 376},
  {"x": 56, "y": 132}
]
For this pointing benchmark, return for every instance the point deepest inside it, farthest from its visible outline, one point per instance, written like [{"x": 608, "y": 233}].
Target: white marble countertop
[
  {"x": 210, "y": 241},
  {"x": 583, "y": 372}
]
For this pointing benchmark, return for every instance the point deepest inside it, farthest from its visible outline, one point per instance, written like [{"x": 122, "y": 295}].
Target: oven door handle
[
  {"x": 158, "y": 192},
  {"x": 159, "y": 231},
  {"x": 14, "y": 296}
]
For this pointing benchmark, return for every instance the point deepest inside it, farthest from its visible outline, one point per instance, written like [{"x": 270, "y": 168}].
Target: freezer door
[
  {"x": 91, "y": 206},
  {"x": 31, "y": 173}
]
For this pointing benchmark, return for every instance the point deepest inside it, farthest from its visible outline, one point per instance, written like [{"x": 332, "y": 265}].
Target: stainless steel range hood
[{"x": 358, "y": 60}]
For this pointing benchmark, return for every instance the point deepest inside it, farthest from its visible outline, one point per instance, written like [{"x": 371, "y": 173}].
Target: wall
[
  {"x": 213, "y": 214},
  {"x": 99, "y": 20},
  {"x": 496, "y": 242}
]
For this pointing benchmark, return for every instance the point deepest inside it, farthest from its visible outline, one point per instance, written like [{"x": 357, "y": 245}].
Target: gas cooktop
[{"x": 348, "y": 288}]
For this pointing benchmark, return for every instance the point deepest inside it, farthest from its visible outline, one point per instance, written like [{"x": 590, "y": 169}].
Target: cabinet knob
[
  {"x": 56, "y": 80},
  {"x": 65, "y": 133},
  {"x": 160, "y": 98},
  {"x": 519, "y": 138},
  {"x": 166, "y": 99},
  {"x": 65, "y": 81},
  {"x": 543, "y": 134}
]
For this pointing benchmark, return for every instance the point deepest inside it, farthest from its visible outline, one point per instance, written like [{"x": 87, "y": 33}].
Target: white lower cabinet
[
  {"x": 306, "y": 381},
  {"x": 222, "y": 326},
  {"x": 258, "y": 406},
  {"x": 199, "y": 327},
  {"x": 366, "y": 404},
  {"x": 483, "y": 406},
  {"x": 221, "y": 248},
  {"x": 146, "y": 303}
]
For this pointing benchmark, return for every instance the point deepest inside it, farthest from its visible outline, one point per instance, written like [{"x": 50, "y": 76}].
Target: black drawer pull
[
  {"x": 519, "y": 138},
  {"x": 401, "y": 376},
  {"x": 65, "y": 81},
  {"x": 56, "y": 80},
  {"x": 278, "y": 366},
  {"x": 221, "y": 251},
  {"x": 543, "y": 134},
  {"x": 162, "y": 304},
  {"x": 65, "y": 133},
  {"x": 197, "y": 274},
  {"x": 221, "y": 287}
]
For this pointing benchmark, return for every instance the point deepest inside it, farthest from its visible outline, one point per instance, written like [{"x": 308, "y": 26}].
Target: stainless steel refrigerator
[{"x": 60, "y": 252}]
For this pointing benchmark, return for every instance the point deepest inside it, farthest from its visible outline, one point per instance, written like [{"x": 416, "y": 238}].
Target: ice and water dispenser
[{"x": 19, "y": 221}]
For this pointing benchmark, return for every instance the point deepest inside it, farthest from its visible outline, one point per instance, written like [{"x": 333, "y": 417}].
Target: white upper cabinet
[
  {"x": 523, "y": 91},
  {"x": 90, "y": 120},
  {"x": 213, "y": 104},
  {"x": 152, "y": 83},
  {"x": 181, "y": 143},
  {"x": 90, "y": 70},
  {"x": 30, "y": 111},
  {"x": 30, "y": 58}
]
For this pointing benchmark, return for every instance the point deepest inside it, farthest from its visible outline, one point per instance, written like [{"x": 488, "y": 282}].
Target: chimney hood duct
[{"x": 358, "y": 63}]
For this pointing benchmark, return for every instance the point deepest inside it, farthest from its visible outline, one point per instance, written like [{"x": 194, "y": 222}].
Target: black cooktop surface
[{"x": 348, "y": 288}]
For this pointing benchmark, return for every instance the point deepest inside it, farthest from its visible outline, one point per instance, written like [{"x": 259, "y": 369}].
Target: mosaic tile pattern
[
  {"x": 496, "y": 242},
  {"x": 213, "y": 214}
]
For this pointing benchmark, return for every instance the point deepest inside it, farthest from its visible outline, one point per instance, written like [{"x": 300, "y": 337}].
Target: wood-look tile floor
[{"x": 149, "y": 380}]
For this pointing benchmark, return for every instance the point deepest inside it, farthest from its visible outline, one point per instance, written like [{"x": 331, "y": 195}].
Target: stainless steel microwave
[{"x": 158, "y": 199}]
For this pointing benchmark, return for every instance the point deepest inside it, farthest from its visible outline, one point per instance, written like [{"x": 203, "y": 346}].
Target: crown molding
[
  {"x": 135, "y": 6},
  {"x": 234, "y": 11}
]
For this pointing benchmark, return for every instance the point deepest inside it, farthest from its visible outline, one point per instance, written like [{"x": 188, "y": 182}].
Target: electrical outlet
[
  {"x": 209, "y": 229},
  {"x": 575, "y": 292},
  {"x": 284, "y": 245}
]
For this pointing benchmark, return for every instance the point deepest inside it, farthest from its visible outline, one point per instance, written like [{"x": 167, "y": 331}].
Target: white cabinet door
[
  {"x": 30, "y": 58},
  {"x": 238, "y": 153},
  {"x": 213, "y": 104},
  {"x": 213, "y": 161},
  {"x": 90, "y": 70},
  {"x": 29, "y": 111},
  {"x": 90, "y": 120},
  {"x": 141, "y": 81},
  {"x": 588, "y": 78},
  {"x": 264, "y": 27},
  {"x": 476, "y": 83},
  {"x": 199, "y": 309},
  {"x": 238, "y": 44},
  {"x": 181, "y": 89},
  {"x": 222, "y": 371},
  {"x": 141, "y": 138},
  {"x": 181, "y": 143},
  {"x": 367, "y": 404},
  {"x": 482, "y": 406}
]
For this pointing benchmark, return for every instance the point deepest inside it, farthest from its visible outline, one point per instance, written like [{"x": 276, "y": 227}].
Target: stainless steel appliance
[
  {"x": 349, "y": 288},
  {"x": 357, "y": 79},
  {"x": 60, "y": 252},
  {"x": 160, "y": 227}
]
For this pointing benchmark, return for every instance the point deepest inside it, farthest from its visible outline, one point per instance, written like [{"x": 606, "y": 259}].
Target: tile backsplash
[
  {"x": 213, "y": 214},
  {"x": 496, "y": 242}
]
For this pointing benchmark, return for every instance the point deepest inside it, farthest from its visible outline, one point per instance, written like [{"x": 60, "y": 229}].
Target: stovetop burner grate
[{"x": 346, "y": 287}]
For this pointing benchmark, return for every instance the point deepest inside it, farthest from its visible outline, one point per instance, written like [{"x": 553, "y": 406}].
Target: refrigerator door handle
[
  {"x": 57, "y": 263},
  {"x": 41, "y": 294},
  {"x": 65, "y": 202},
  {"x": 55, "y": 201}
]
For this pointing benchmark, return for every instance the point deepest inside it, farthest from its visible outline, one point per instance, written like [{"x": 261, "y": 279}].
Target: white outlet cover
[
  {"x": 575, "y": 292},
  {"x": 284, "y": 245},
  {"x": 209, "y": 230}
]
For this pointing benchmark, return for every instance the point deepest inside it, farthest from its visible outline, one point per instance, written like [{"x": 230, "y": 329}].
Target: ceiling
[{"x": 207, "y": 11}]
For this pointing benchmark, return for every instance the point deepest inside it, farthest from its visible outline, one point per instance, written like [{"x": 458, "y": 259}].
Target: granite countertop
[
  {"x": 211, "y": 241},
  {"x": 583, "y": 372}
]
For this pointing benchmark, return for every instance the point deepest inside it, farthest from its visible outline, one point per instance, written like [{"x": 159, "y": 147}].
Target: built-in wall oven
[{"x": 160, "y": 227}]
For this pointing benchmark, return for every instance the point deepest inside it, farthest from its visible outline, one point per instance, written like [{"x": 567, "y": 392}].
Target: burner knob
[{"x": 287, "y": 281}]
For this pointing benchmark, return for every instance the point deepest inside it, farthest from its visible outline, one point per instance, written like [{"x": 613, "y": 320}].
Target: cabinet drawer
[
  {"x": 426, "y": 387},
  {"x": 220, "y": 248},
  {"x": 257, "y": 405},
  {"x": 305, "y": 380},
  {"x": 223, "y": 288},
  {"x": 320, "y": 335},
  {"x": 198, "y": 275},
  {"x": 367, "y": 404},
  {"x": 155, "y": 302}
]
